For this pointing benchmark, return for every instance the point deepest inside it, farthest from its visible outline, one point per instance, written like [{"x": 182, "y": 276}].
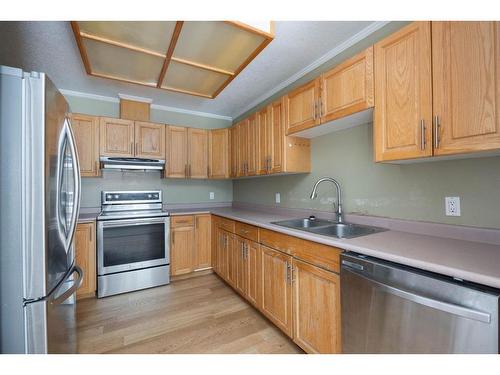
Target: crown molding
[
  {"x": 135, "y": 98},
  {"x": 323, "y": 59},
  {"x": 111, "y": 99}
]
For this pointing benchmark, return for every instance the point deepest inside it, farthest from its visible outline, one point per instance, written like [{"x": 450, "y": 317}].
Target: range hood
[{"x": 132, "y": 163}]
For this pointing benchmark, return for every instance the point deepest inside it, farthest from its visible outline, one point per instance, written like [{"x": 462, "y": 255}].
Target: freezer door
[{"x": 51, "y": 322}]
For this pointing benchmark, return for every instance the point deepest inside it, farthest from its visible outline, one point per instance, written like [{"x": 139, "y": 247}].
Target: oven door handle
[{"x": 133, "y": 222}]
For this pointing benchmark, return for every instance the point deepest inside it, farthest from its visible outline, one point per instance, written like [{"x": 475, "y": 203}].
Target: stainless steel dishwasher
[{"x": 391, "y": 308}]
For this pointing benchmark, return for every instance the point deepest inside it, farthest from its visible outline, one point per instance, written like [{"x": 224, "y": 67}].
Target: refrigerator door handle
[
  {"x": 77, "y": 178},
  {"x": 67, "y": 140},
  {"x": 77, "y": 283}
]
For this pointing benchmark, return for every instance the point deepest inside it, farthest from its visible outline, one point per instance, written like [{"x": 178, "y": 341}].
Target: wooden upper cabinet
[
  {"x": 242, "y": 132},
  {"x": 176, "y": 153},
  {"x": 403, "y": 94},
  {"x": 197, "y": 153},
  {"x": 235, "y": 160},
  {"x": 316, "y": 307},
  {"x": 301, "y": 107},
  {"x": 219, "y": 153},
  {"x": 85, "y": 257},
  {"x": 149, "y": 140},
  {"x": 276, "y": 297},
  {"x": 86, "y": 131},
  {"x": 251, "y": 145},
  {"x": 466, "y": 84},
  {"x": 181, "y": 250},
  {"x": 277, "y": 135},
  {"x": 116, "y": 137},
  {"x": 348, "y": 88},
  {"x": 264, "y": 139},
  {"x": 202, "y": 242}
]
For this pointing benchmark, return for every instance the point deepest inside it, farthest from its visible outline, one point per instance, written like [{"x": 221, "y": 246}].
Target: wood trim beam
[
  {"x": 249, "y": 59},
  {"x": 170, "y": 88},
  {"x": 253, "y": 30},
  {"x": 108, "y": 76},
  {"x": 81, "y": 47},
  {"x": 202, "y": 66},
  {"x": 120, "y": 44},
  {"x": 170, "y": 51}
]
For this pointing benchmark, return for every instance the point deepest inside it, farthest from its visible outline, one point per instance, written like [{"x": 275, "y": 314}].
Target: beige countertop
[{"x": 472, "y": 261}]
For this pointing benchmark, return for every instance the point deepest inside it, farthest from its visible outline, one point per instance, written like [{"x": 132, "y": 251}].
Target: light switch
[
  {"x": 212, "y": 195},
  {"x": 278, "y": 198}
]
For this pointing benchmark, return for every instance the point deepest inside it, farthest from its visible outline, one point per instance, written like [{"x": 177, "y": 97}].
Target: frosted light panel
[
  {"x": 216, "y": 44},
  {"x": 150, "y": 35},
  {"x": 186, "y": 77},
  {"x": 123, "y": 63}
]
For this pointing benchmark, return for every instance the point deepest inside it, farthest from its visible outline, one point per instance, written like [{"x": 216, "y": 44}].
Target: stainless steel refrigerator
[{"x": 39, "y": 205}]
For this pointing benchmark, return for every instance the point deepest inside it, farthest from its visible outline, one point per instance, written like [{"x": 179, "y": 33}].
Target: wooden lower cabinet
[
  {"x": 276, "y": 301},
  {"x": 293, "y": 282},
  {"x": 316, "y": 308},
  {"x": 202, "y": 241},
  {"x": 85, "y": 254},
  {"x": 190, "y": 242}
]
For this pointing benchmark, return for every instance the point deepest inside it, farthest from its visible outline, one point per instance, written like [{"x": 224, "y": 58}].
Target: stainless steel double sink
[{"x": 329, "y": 228}]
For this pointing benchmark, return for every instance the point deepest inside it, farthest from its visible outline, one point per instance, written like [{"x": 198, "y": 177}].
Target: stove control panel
[{"x": 130, "y": 197}]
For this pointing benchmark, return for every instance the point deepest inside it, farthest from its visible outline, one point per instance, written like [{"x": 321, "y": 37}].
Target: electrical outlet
[
  {"x": 452, "y": 206},
  {"x": 278, "y": 198},
  {"x": 212, "y": 195}
]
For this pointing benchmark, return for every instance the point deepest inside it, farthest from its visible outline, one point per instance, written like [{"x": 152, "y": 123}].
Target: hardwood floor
[{"x": 198, "y": 315}]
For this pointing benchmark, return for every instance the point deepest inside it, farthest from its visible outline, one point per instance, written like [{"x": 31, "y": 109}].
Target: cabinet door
[
  {"x": 202, "y": 236},
  {"x": 277, "y": 136},
  {"x": 177, "y": 160},
  {"x": 466, "y": 84},
  {"x": 276, "y": 288},
  {"x": 235, "y": 160},
  {"x": 198, "y": 153},
  {"x": 221, "y": 253},
  {"x": 242, "y": 147},
  {"x": 86, "y": 131},
  {"x": 149, "y": 140},
  {"x": 348, "y": 88},
  {"x": 316, "y": 308},
  {"x": 252, "y": 263},
  {"x": 182, "y": 250},
  {"x": 302, "y": 110},
  {"x": 241, "y": 273},
  {"x": 264, "y": 141},
  {"x": 403, "y": 94},
  {"x": 232, "y": 259},
  {"x": 85, "y": 256},
  {"x": 116, "y": 137},
  {"x": 251, "y": 145},
  {"x": 218, "y": 153}
]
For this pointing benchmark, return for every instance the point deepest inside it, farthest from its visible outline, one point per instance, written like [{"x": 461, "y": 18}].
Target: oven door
[{"x": 130, "y": 244}]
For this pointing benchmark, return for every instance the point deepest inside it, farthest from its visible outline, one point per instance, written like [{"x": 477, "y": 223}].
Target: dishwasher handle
[{"x": 451, "y": 308}]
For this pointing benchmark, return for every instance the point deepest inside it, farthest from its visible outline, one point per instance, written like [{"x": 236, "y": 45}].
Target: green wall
[
  {"x": 174, "y": 190},
  {"x": 407, "y": 191}
]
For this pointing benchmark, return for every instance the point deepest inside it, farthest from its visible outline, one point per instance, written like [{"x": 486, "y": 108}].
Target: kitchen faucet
[{"x": 340, "y": 216}]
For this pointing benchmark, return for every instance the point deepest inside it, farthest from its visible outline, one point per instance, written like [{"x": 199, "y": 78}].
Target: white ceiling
[{"x": 50, "y": 47}]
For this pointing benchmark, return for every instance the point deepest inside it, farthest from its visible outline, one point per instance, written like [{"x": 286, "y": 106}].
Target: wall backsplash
[
  {"x": 174, "y": 190},
  {"x": 408, "y": 191}
]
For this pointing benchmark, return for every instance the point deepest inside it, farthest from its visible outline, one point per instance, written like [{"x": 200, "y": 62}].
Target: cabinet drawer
[
  {"x": 324, "y": 256},
  {"x": 247, "y": 231},
  {"x": 226, "y": 224},
  {"x": 182, "y": 221}
]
